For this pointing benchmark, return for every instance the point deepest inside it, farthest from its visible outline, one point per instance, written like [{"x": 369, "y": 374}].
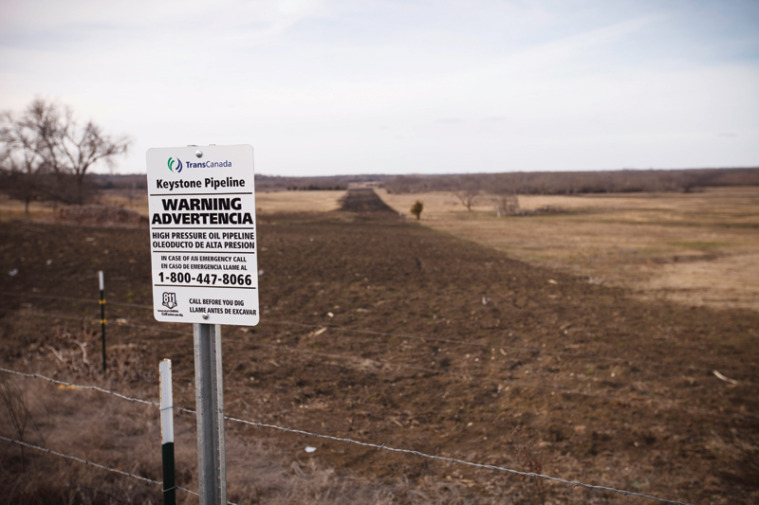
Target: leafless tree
[
  {"x": 46, "y": 152},
  {"x": 467, "y": 190},
  {"x": 506, "y": 204},
  {"x": 505, "y": 191},
  {"x": 21, "y": 164}
]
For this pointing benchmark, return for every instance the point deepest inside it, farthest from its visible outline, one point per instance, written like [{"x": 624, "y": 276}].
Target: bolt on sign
[{"x": 202, "y": 207}]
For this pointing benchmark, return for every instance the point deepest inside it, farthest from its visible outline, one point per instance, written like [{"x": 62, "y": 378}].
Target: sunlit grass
[{"x": 697, "y": 248}]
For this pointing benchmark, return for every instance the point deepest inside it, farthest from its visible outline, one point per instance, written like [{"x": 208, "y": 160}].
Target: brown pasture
[
  {"x": 693, "y": 248},
  {"x": 383, "y": 330}
]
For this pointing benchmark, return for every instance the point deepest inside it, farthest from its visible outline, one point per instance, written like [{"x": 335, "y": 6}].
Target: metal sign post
[{"x": 209, "y": 400}]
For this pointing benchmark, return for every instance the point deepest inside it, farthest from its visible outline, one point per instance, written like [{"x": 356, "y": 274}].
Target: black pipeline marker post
[
  {"x": 167, "y": 433},
  {"x": 209, "y": 400},
  {"x": 102, "y": 313}
]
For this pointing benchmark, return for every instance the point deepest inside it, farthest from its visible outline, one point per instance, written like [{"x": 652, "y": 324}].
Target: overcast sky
[{"x": 408, "y": 86}]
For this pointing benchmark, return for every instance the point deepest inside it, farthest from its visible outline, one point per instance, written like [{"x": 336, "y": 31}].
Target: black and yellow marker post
[{"x": 102, "y": 314}]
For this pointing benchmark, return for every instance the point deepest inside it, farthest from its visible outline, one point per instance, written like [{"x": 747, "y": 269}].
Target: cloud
[
  {"x": 311, "y": 83},
  {"x": 449, "y": 120}
]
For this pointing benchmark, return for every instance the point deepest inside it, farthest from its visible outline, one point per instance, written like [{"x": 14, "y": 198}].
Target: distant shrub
[{"x": 416, "y": 209}]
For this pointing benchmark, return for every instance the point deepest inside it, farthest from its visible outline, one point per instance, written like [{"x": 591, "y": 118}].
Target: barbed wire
[
  {"x": 79, "y": 386},
  {"x": 94, "y": 464},
  {"x": 74, "y": 299},
  {"x": 663, "y": 403},
  {"x": 451, "y": 341},
  {"x": 411, "y": 337},
  {"x": 612, "y": 398},
  {"x": 447, "y": 459},
  {"x": 371, "y": 445}
]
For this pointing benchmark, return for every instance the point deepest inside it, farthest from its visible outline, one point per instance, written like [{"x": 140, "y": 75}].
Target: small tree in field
[
  {"x": 505, "y": 192},
  {"x": 467, "y": 189},
  {"x": 416, "y": 209}
]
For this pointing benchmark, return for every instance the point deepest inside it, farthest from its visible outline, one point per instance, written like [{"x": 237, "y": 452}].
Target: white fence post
[{"x": 167, "y": 433}]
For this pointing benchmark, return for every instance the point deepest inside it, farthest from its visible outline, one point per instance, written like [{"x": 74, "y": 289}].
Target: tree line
[
  {"x": 46, "y": 153},
  {"x": 573, "y": 183}
]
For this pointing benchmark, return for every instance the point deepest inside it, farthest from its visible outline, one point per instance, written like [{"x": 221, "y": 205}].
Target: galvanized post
[{"x": 209, "y": 401}]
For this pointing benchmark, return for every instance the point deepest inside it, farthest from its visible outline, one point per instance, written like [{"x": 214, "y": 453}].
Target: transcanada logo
[{"x": 175, "y": 165}]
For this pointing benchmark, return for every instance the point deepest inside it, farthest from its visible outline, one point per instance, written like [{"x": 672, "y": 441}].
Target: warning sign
[{"x": 203, "y": 234}]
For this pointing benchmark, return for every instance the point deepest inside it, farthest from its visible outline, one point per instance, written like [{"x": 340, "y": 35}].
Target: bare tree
[
  {"x": 467, "y": 190},
  {"x": 21, "y": 164},
  {"x": 505, "y": 191},
  {"x": 51, "y": 151}
]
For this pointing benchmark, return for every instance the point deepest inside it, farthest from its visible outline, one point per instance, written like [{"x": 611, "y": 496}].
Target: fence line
[
  {"x": 73, "y": 299},
  {"x": 399, "y": 335},
  {"x": 382, "y": 447},
  {"x": 447, "y": 459},
  {"x": 79, "y": 386},
  {"x": 94, "y": 464},
  {"x": 670, "y": 403}
]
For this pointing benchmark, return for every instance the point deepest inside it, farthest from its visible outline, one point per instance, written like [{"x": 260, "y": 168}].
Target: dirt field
[{"x": 383, "y": 330}]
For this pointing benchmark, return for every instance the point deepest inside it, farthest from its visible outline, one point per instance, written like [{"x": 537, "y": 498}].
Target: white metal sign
[{"x": 203, "y": 234}]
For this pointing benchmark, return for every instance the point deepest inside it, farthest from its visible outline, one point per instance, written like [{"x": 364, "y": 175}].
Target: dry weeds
[{"x": 125, "y": 436}]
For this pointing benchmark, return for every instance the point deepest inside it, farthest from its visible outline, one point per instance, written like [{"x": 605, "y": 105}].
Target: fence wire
[
  {"x": 662, "y": 403},
  {"x": 401, "y": 335},
  {"x": 447, "y": 459},
  {"x": 346, "y": 440},
  {"x": 79, "y": 386},
  {"x": 95, "y": 465}
]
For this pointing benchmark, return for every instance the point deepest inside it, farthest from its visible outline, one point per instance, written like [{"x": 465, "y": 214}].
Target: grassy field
[{"x": 697, "y": 248}]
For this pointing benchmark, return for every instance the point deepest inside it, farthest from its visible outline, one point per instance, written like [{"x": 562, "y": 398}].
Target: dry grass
[
  {"x": 125, "y": 436},
  {"x": 298, "y": 201},
  {"x": 266, "y": 202},
  {"x": 699, "y": 248},
  {"x": 13, "y": 209}
]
